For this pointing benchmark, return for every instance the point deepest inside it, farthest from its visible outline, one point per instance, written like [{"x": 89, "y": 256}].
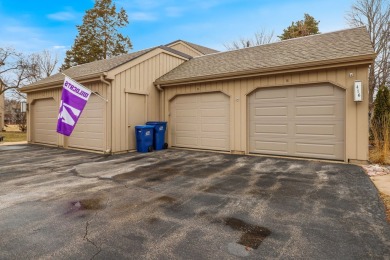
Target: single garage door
[
  {"x": 44, "y": 114},
  {"x": 201, "y": 121},
  {"x": 89, "y": 130},
  {"x": 301, "y": 121}
]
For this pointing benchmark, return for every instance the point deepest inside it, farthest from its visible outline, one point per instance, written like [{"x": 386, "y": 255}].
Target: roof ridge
[{"x": 278, "y": 42}]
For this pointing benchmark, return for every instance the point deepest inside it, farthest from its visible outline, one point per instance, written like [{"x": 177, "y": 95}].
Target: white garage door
[
  {"x": 89, "y": 130},
  {"x": 302, "y": 121},
  {"x": 201, "y": 121},
  {"x": 44, "y": 114}
]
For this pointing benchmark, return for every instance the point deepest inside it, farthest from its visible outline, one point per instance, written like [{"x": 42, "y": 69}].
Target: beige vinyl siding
[
  {"x": 201, "y": 121},
  {"x": 137, "y": 79},
  {"x": 182, "y": 47},
  {"x": 356, "y": 123},
  {"x": 301, "y": 121},
  {"x": 44, "y": 126},
  {"x": 32, "y": 98}
]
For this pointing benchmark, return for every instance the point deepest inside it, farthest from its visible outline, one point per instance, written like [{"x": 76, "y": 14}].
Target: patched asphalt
[{"x": 176, "y": 204}]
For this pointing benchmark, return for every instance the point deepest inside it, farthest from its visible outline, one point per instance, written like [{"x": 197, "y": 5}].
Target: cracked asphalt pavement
[{"x": 176, "y": 204}]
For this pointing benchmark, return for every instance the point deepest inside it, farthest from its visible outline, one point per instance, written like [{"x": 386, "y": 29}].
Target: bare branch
[
  {"x": 260, "y": 37},
  {"x": 375, "y": 16}
]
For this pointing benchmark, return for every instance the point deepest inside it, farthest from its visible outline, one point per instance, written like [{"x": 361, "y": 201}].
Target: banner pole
[{"x": 93, "y": 92}]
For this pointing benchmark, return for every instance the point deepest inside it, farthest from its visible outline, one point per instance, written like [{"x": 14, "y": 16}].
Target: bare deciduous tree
[
  {"x": 18, "y": 70},
  {"x": 375, "y": 15},
  {"x": 14, "y": 69},
  {"x": 261, "y": 37},
  {"x": 42, "y": 65}
]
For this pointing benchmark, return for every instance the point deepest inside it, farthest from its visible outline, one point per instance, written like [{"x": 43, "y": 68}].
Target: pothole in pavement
[
  {"x": 86, "y": 204},
  {"x": 252, "y": 236}
]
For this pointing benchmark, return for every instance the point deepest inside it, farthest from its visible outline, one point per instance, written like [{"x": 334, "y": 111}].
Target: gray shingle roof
[
  {"x": 92, "y": 68},
  {"x": 337, "y": 45},
  {"x": 202, "y": 49},
  {"x": 101, "y": 66}
]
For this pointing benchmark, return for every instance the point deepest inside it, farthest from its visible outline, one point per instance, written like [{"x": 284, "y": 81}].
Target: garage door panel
[
  {"x": 214, "y": 128},
  {"x": 313, "y": 125},
  {"x": 280, "y": 93},
  {"x": 214, "y": 143},
  {"x": 271, "y": 111},
  {"x": 271, "y": 147},
  {"x": 323, "y": 130},
  {"x": 186, "y": 100},
  {"x": 315, "y": 111},
  {"x": 316, "y": 91},
  {"x": 319, "y": 150},
  {"x": 212, "y": 98},
  {"x": 186, "y": 112},
  {"x": 44, "y": 116},
  {"x": 206, "y": 126},
  {"x": 271, "y": 129},
  {"x": 213, "y": 112},
  {"x": 185, "y": 127},
  {"x": 89, "y": 132},
  {"x": 187, "y": 141}
]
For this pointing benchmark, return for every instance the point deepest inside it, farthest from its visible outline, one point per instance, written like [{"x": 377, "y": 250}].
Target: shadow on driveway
[{"x": 176, "y": 204}]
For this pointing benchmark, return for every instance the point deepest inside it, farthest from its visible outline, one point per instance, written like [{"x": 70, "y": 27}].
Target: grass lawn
[{"x": 14, "y": 136}]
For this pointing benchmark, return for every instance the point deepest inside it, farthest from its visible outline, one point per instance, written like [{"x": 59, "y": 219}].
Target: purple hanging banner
[{"x": 73, "y": 100}]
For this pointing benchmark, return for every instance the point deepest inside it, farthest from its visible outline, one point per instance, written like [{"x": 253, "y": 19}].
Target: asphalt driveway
[{"x": 175, "y": 204}]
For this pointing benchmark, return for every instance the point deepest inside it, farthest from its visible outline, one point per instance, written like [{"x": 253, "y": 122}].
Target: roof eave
[
  {"x": 58, "y": 83},
  {"x": 358, "y": 60}
]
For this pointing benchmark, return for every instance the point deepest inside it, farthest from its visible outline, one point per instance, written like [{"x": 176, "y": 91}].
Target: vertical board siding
[
  {"x": 356, "y": 136},
  {"x": 140, "y": 79}
]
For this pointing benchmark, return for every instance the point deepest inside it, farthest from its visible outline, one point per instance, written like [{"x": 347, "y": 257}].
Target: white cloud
[
  {"x": 142, "y": 16},
  {"x": 174, "y": 11},
  {"x": 59, "y": 47},
  {"x": 62, "y": 16}
]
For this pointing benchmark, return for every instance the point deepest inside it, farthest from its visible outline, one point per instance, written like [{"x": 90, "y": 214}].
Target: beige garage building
[{"x": 290, "y": 98}]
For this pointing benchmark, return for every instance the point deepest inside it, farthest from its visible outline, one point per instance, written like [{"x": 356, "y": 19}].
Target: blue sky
[{"x": 31, "y": 26}]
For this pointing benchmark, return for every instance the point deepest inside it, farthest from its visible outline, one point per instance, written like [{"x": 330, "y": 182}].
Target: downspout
[
  {"x": 161, "y": 101},
  {"x": 102, "y": 79},
  {"x": 159, "y": 88}
]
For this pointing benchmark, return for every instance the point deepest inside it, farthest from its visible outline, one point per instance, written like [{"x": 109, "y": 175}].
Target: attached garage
[
  {"x": 289, "y": 98},
  {"x": 201, "y": 121},
  {"x": 44, "y": 126},
  {"x": 89, "y": 132},
  {"x": 301, "y": 121}
]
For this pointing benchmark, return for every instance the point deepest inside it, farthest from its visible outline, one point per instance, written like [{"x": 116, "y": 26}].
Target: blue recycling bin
[
  {"x": 159, "y": 134},
  {"x": 144, "y": 137}
]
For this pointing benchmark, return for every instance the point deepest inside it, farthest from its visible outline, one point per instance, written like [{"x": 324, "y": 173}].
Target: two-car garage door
[{"x": 300, "y": 121}]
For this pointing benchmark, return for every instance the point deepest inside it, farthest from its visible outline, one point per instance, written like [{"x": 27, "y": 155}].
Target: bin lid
[
  {"x": 156, "y": 123},
  {"x": 144, "y": 127}
]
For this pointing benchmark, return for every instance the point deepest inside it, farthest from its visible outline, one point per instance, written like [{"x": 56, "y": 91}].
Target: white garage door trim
[
  {"x": 44, "y": 114},
  {"x": 201, "y": 121},
  {"x": 298, "y": 121},
  {"x": 89, "y": 132}
]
